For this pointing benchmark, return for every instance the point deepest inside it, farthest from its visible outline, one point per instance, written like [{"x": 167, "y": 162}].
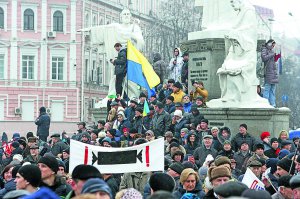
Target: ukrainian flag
[{"x": 139, "y": 70}]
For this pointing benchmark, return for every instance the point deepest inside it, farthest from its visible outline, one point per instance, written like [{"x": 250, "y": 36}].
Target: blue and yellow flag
[
  {"x": 146, "y": 109},
  {"x": 139, "y": 70}
]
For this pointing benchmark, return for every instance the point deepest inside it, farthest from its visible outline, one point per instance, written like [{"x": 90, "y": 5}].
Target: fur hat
[
  {"x": 273, "y": 140},
  {"x": 222, "y": 160},
  {"x": 219, "y": 171}
]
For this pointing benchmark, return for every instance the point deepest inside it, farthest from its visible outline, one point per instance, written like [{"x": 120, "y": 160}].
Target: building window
[
  {"x": 94, "y": 21},
  {"x": 28, "y": 19},
  {"x": 94, "y": 72},
  {"x": 27, "y": 67},
  {"x": 99, "y": 73},
  {"x": 87, "y": 20},
  {"x": 1, "y": 66},
  {"x": 58, "y": 21},
  {"x": 86, "y": 77},
  {"x": 1, "y": 18},
  {"x": 57, "y": 68}
]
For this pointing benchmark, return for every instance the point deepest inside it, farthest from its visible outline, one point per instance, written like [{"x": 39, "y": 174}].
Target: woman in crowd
[{"x": 189, "y": 183}]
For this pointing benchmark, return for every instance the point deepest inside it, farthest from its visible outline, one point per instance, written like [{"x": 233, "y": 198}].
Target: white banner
[
  {"x": 140, "y": 158},
  {"x": 252, "y": 181}
]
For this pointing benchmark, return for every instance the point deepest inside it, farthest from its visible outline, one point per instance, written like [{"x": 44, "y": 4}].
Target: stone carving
[
  {"x": 105, "y": 36},
  {"x": 237, "y": 75}
]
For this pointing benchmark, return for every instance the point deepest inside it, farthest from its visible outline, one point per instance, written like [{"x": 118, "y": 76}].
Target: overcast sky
[{"x": 283, "y": 20}]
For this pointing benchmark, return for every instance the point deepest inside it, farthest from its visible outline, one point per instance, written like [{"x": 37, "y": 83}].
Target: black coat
[
  {"x": 120, "y": 63},
  {"x": 43, "y": 123}
]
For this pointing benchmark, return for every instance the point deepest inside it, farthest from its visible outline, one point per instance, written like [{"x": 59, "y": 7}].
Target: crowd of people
[{"x": 200, "y": 161}]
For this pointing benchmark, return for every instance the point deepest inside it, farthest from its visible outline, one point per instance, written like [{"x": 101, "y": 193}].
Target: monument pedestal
[
  {"x": 258, "y": 120},
  {"x": 206, "y": 56}
]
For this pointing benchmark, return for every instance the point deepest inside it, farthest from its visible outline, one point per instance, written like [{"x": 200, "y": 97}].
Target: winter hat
[
  {"x": 134, "y": 100},
  {"x": 18, "y": 157},
  {"x": 32, "y": 174},
  {"x": 184, "y": 130},
  {"x": 283, "y": 153},
  {"x": 139, "y": 109},
  {"x": 86, "y": 134},
  {"x": 259, "y": 146},
  {"x": 284, "y": 181},
  {"x": 178, "y": 113},
  {"x": 174, "y": 144},
  {"x": 265, "y": 134},
  {"x": 131, "y": 193},
  {"x": 151, "y": 133},
  {"x": 273, "y": 140},
  {"x": 15, "y": 170},
  {"x": 286, "y": 164},
  {"x": 254, "y": 194},
  {"x": 84, "y": 172},
  {"x": 286, "y": 142},
  {"x": 101, "y": 134},
  {"x": 227, "y": 142},
  {"x": 161, "y": 181},
  {"x": 61, "y": 164},
  {"x": 254, "y": 163},
  {"x": 94, "y": 185},
  {"x": 22, "y": 142},
  {"x": 66, "y": 150},
  {"x": 133, "y": 131},
  {"x": 50, "y": 162},
  {"x": 219, "y": 171},
  {"x": 244, "y": 125},
  {"x": 177, "y": 85},
  {"x": 16, "y": 136},
  {"x": 15, "y": 144},
  {"x": 272, "y": 163},
  {"x": 177, "y": 167},
  {"x": 159, "y": 105},
  {"x": 214, "y": 128},
  {"x": 106, "y": 139},
  {"x": 222, "y": 160},
  {"x": 230, "y": 189}
]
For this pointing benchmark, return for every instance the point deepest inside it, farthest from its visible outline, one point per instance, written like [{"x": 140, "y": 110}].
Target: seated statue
[{"x": 237, "y": 75}]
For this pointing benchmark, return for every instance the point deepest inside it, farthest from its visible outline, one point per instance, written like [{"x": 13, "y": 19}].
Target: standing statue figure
[
  {"x": 106, "y": 36},
  {"x": 237, "y": 75}
]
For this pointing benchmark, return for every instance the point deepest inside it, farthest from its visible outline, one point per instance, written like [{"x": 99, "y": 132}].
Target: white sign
[
  {"x": 252, "y": 181},
  {"x": 140, "y": 158}
]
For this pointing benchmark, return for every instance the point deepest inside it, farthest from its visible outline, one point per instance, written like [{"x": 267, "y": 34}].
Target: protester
[
  {"x": 189, "y": 183},
  {"x": 28, "y": 178},
  {"x": 49, "y": 167},
  {"x": 243, "y": 136},
  {"x": 97, "y": 187},
  {"x": 201, "y": 152},
  {"x": 43, "y": 124}
]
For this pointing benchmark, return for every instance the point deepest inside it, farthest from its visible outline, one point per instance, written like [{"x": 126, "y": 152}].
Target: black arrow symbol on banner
[{"x": 117, "y": 157}]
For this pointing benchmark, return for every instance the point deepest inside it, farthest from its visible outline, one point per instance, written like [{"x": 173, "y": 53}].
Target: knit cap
[
  {"x": 50, "y": 161},
  {"x": 94, "y": 185},
  {"x": 32, "y": 174}
]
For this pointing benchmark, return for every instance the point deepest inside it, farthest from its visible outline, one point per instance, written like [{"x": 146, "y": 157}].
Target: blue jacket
[
  {"x": 187, "y": 107},
  {"x": 197, "y": 191},
  {"x": 9, "y": 186}
]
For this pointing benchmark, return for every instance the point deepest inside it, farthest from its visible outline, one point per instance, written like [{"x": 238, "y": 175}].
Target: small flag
[{"x": 146, "y": 108}]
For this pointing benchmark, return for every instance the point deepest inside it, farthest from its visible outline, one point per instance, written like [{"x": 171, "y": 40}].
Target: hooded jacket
[
  {"x": 189, "y": 147},
  {"x": 267, "y": 56},
  {"x": 175, "y": 70},
  {"x": 197, "y": 191}
]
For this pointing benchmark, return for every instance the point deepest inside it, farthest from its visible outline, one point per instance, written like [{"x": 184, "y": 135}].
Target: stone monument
[
  {"x": 105, "y": 36},
  {"x": 223, "y": 55}
]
